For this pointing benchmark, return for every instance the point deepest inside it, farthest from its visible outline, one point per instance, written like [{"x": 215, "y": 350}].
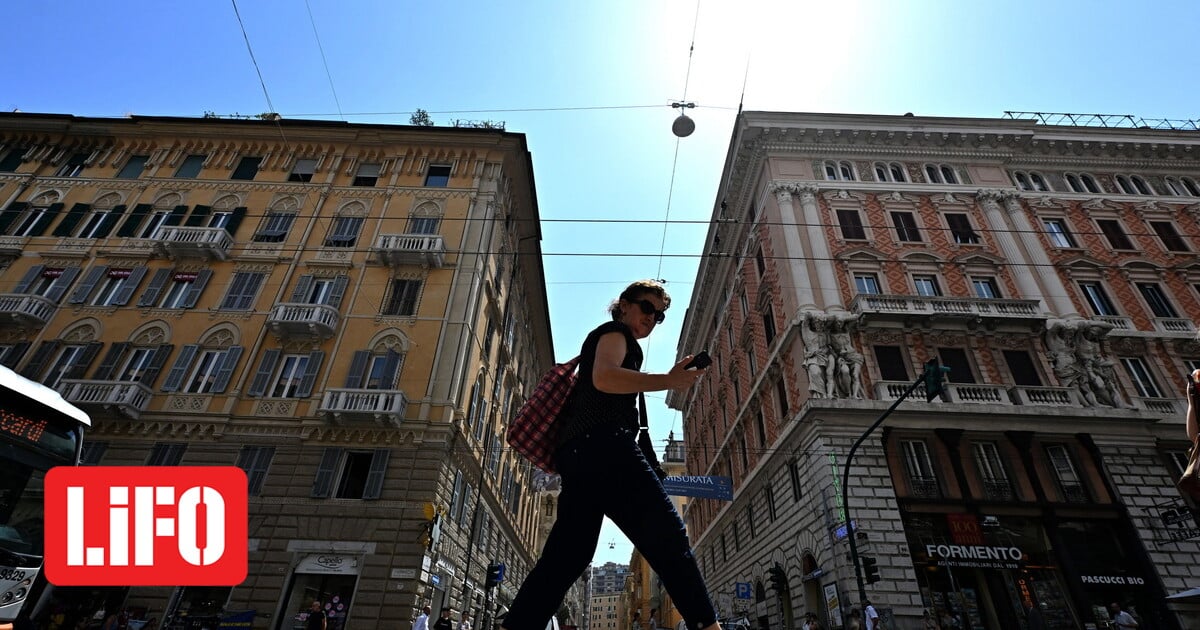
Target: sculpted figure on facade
[
  {"x": 817, "y": 359},
  {"x": 849, "y": 360},
  {"x": 834, "y": 365},
  {"x": 1078, "y": 363}
]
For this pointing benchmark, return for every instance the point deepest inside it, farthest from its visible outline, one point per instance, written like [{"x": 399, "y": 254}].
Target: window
[
  {"x": 93, "y": 452},
  {"x": 1030, "y": 181},
  {"x": 289, "y": 375},
  {"x": 906, "y": 227},
  {"x": 996, "y": 486},
  {"x": 403, "y": 298},
  {"x": 985, "y": 288},
  {"x": 108, "y": 287},
  {"x": 32, "y": 222},
  {"x": 891, "y": 172},
  {"x": 137, "y": 365},
  {"x": 166, "y": 454},
  {"x": 133, "y": 167},
  {"x": 760, "y": 264},
  {"x": 438, "y": 176},
  {"x": 852, "y": 225},
  {"x": 919, "y": 467},
  {"x": 1157, "y": 300},
  {"x": 1097, "y": 299},
  {"x": 210, "y": 373},
  {"x": 424, "y": 225},
  {"x": 1169, "y": 236},
  {"x": 866, "y": 284},
  {"x": 1059, "y": 234},
  {"x": 174, "y": 289},
  {"x": 353, "y": 474},
  {"x": 275, "y": 227},
  {"x": 769, "y": 498},
  {"x": 1082, "y": 183},
  {"x": 374, "y": 370},
  {"x": 1133, "y": 185},
  {"x": 843, "y": 171},
  {"x": 73, "y": 166},
  {"x": 794, "y": 476},
  {"x": 927, "y": 286},
  {"x": 960, "y": 366},
  {"x": 960, "y": 229},
  {"x": 1020, "y": 364},
  {"x": 302, "y": 171},
  {"x": 1143, "y": 381},
  {"x": 242, "y": 291},
  {"x": 247, "y": 168},
  {"x": 940, "y": 174},
  {"x": 366, "y": 175},
  {"x": 12, "y": 160},
  {"x": 1064, "y": 473},
  {"x": 1178, "y": 186},
  {"x": 156, "y": 220},
  {"x": 344, "y": 232},
  {"x": 892, "y": 366},
  {"x": 256, "y": 461},
  {"x": 780, "y": 394},
  {"x": 98, "y": 225},
  {"x": 67, "y": 359},
  {"x": 48, "y": 282},
  {"x": 190, "y": 169}
]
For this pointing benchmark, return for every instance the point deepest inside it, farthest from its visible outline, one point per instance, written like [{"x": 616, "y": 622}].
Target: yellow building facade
[{"x": 350, "y": 313}]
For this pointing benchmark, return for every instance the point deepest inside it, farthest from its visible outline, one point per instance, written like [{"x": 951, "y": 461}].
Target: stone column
[
  {"x": 795, "y": 249},
  {"x": 823, "y": 261},
  {"x": 1056, "y": 291},
  {"x": 1022, "y": 272}
]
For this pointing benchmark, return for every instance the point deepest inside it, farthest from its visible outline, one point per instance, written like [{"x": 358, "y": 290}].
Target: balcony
[
  {"x": 998, "y": 490},
  {"x": 977, "y": 393},
  {"x": 925, "y": 488},
  {"x": 126, "y": 398},
  {"x": 303, "y": 321},
  {"x": 207, "y": 243},
  {"x": 910, "y": 310},
  {"x": 1120, "y": 324},
  {"x": 377, "y": 405},
  {"x": 1043, "y": 396},
  {"x": 12, "y": 246},
  {"x": 1173, "y": 407},
  {"x": 26, "y": 310},
  {"x": 1175, "y": 327},
  {"x": 398, "y": 250}
]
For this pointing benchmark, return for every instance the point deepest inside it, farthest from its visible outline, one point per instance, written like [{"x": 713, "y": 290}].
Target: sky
[{"x": 611, "y": 178}]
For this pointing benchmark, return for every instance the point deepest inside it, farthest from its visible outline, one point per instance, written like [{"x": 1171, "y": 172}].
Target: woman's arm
[{"x": 609, "y": 377}]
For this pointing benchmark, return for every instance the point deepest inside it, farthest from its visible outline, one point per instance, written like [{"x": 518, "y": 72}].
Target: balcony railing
[
  {"x": 26, "y": 310},
  {"x": 1175, "y": 326},
  {"x": 291, "y": 321},
  {"x": 925, "y": 488},
  {"x": 127, "y": 398},
  {"x": 12, "y": 245},
  {"x": 194, "y": 242},
  {"x": 378, "y": 405},
  {"x": 904, "y": 307},
  {"x": 1119, "y": 323},
  {"x": 977, "y": 393},
  {"x": 997, "y": 490},
  {"x": 1044, "y": 396},
  {"x": 1173, "y": 407},
  {"x": 398, "y": 250}
]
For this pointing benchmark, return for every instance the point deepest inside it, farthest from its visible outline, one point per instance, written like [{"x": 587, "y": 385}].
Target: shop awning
[{"x": 1191, "y": 593}]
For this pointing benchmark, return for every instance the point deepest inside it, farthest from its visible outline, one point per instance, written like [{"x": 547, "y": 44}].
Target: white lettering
[
  {"x": 214, "y": 525},
  {"x": 975, "y": 552}
]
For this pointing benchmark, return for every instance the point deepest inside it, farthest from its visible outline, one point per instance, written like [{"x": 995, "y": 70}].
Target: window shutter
[
  {"x": 176, "y": 216},
  {"x": 196, "y": 219},
  {"x": 226, "y": 370},
  {"x": 379, "y": 461},
  {"x": 302, "y": 288},
  {"x": 391, "y": 366},
  {"x": 179, "y": 370},
  {"x": 154, "y": 290},
  {"x": 29, "y": 278},
  {"x": 8, "y": 216},
  {"x": 109, "y": 364},
  {"x": 358, "y": 369},
  {"x": 235, "y": 219},
  {"x": 339, "y": 290},
  {"x": 109, "y": 220},
  {"x": 156, "y": 364},
  {"x": 71, "y": 220},
  {"x": 35, "y": 366},
  {"x": 47, "y": 218},
  {"x": 270, "y": 358},
  {"x": 61, "y": 285},
  {"x": 14, "y": 354},
  {"x": 194, "y": 291},
  {"x": 324, "y": 481},
  {"x": 130, "y": 285},
  {"x": 85, "y": 360},
  {"x": 310, "y": 374},
  {"x": 134, "y": 221},
  {"x": 89, "y": 283}
]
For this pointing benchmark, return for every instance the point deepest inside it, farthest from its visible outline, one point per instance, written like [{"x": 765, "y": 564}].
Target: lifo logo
[{"x": 145, "y": 526}]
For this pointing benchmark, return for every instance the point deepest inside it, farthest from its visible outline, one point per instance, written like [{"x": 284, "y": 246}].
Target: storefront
[
  {"x": 1108, "y": 571},
  {"x": 328, "y": 578}
]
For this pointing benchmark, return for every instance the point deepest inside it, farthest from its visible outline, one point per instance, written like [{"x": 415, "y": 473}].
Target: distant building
[
  {"x": 609, "y": 578},
  {"x": 607, "y": 612},
  {"x": 1052, "y": 267}
]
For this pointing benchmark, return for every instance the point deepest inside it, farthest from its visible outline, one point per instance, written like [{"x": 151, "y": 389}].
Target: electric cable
[{"x": 324, "y": 61}]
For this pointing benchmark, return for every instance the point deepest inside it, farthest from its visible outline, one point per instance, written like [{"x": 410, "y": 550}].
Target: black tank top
[{"x": 588, "y": 407}]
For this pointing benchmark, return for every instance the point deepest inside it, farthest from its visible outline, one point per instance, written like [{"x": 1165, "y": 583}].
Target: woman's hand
[{"x": 680, "y": 378}]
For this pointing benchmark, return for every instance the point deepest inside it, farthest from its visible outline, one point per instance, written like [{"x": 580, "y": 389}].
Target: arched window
[
  {"x": 1038, "y": 182},
  {"x": 948, "y": 175},
  {"x": 1022, "y": 180},
  {"x": 1089, "y": 183},
  {"x": 1190, "y": 185},
  {"x": 1140, "y": 184},
  {"x": 842, "y": 170},
  {"x": 931, "y": 174},
  {"x": 1073, "y": 183},
  {"x": 1124, "y": 185},
  {"x": 881, "y": 173},
  {"x": 898, "y": 174}
]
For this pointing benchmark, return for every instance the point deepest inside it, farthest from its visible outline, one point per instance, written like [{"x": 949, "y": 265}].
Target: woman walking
[{"x": 605, "y": 473}]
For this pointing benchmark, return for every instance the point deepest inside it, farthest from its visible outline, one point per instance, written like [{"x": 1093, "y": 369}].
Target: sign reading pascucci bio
[{"x": 979, "y": 556}]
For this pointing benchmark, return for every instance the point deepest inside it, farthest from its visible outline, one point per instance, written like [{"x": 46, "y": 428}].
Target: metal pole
[{"x": 850, "y": 529}]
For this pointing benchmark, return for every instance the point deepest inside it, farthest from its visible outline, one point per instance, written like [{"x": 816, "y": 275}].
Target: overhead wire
[
  {"x": 324, "y": 61},
  {"x": 257, "y": 70}
]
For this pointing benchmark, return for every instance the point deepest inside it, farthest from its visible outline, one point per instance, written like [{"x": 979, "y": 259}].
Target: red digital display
[{"x": 21, "y": 427}]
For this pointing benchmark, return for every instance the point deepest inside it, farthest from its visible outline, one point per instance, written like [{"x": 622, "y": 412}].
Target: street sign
[
  {"x": 700, "y": 486},
  {"x": 742, "y": 590},
  {"x": 840, "y": 532}
]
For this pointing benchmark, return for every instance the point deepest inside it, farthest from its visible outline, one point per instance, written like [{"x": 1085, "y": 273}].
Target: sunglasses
[{"x": 648, "y": 308}]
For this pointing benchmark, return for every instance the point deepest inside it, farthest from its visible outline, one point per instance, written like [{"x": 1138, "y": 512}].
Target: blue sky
[{"x": 389, "y": 57}]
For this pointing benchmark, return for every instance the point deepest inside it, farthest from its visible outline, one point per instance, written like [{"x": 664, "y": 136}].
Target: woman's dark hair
[{"x": 636, "y": 291}]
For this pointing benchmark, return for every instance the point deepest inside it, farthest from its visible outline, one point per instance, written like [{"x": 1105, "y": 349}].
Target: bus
[{"x": 38, "y": 430}]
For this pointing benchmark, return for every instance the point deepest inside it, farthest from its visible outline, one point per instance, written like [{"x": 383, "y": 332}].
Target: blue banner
[
  {"x": 700, "y": 486},
  {"x": 238, "y": 620}
]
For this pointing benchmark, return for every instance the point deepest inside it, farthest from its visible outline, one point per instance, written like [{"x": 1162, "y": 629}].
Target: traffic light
[
  {"x": 935, "y": 379},
  {"x": 495, "y": 575},
  {"x": 778, "y": 577},
  {"x": 870, "y": 569}
]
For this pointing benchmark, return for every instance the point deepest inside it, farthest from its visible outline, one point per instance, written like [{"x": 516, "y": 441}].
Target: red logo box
[{"x": 146, "y": 525}]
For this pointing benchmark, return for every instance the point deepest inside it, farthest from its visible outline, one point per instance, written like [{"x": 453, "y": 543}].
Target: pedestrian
[
  {"x": 605, "y": 473},
  {"x": 465, "y": 622},
  {"x": 1121, "y": 619},
  {"x": 871, "y": 616},
  {"x": 422, "y": 622},
  {"x": 854, "y": 621},
  {"x": 443, "y": 621},
  {"x": 316, "y": 617},
  {"x": 811, "y": 622}
]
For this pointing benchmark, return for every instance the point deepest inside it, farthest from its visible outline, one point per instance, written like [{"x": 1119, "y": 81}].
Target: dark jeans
[{"x": 605, "y": 474}]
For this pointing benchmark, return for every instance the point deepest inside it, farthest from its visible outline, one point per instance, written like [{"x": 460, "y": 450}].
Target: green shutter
[{"x": 71, "y": 220}]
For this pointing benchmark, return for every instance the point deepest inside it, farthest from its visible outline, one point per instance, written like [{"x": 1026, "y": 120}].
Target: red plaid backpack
[{"x": 532, "y": 432}]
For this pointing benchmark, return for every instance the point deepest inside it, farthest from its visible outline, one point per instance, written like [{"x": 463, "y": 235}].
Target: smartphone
[{"x": 699, "y": 362}]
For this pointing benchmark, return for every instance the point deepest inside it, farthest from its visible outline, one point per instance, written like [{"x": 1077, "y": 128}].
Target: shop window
[
  {"x": 892, "y": 366},
  {"x": 919, "y": 466},
  {"x": 960, "y": 366},
  {"x": 1065, "y": 474},
  {"x": 1021, "y": 366},
  {"x": 852, "y": 225}
]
